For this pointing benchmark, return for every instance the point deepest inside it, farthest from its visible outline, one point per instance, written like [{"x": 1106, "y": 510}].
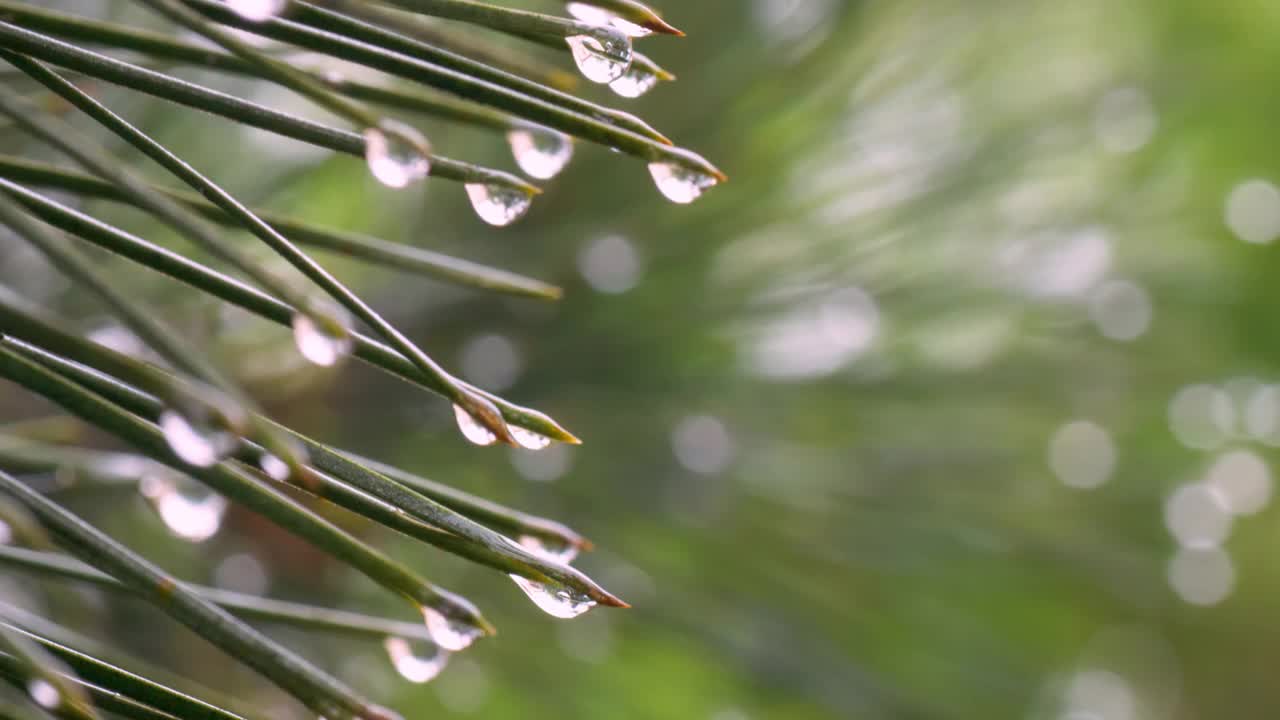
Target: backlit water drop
[
  {"x": 588, "y": 13},
  {"x": 554, "y": 550},
  {"x": 602, "y": 56},
  {"x": 528, "y": 439},
  {"x": 414, "y": 666},
  {"x": 274, "y": 467},
  {"x": 555, "y": 599},
  {"x": 472, "y": 429},
  {"x": 540, "y": 152},
  {"x": 187, "y": 508},
  {"x": 497, "y": 204},
  {"x": 322, "y": 339},
  {"x": 397, "y": 154},
  {"x": 194, "y": 438},
  {"x": 635, "y": 82},
  {"x": 450, "y": 634},
  {"x": 257, "y": 10},
  {"x": 44, "y": 694},
  {"x": 678, "y": 183}
]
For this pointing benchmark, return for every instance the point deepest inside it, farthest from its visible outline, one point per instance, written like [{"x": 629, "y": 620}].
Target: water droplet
[
  {"x": 412, "y": 666},
  {"x": 397, "y": 154},
  {"x": 323, "y": 338},
  {"x": 636, "y": 81},
  {"x": 540, "y": 152},
  {"x": 588, "y": 13},
  {"x": 678, "y": 183},
  {"x": 498, "y": 204},
  {"x": 257, "y": 10},
  {"x": 274, "y": 467},
  {"x": 555, "y": 599},
  {"x": 472, "y": 429},
  {"x": 449, "y": 633},
  {"x": 44, "y": 694},
  {"x": 528, "y": 439},
  {"x": 188, "y": 509},
  {"x": 555, "y": 550},
  {"x": 194, "y": 438},
  {"x": 603, "y": 56}
]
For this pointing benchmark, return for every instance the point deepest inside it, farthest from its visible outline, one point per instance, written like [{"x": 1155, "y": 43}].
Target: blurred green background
[{"x": 955, "y": 402}]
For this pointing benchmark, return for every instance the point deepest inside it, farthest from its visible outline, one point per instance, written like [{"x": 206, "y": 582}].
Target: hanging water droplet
[
  {"x": 274, "y": 467},
  {"x": 497, "y": 204},
  {"x": 257, "y": 10},
  {"x": 397, "y": 154},
  {"x": 678, "y": 183},
  {"x": 555, "y": 550},
  {"x": 472, "y": 429},
  {"x": 448, "y": 633},
  {"x": 323, "y": 337},
  {"x": 412, "y": 666},
  {"x": 529, "y": 439},
  {"x": 603, "y": 56},
  {"x": 555, "y": 599},
  {"x": 44, "y": 694},
  {"x": 540, "y": 152},
  {"x": 188, "y": 509},
  {"x": 194, "y": 437},
  {"x": 594, "y": 15},
  {"x": 635, "y": 82}
]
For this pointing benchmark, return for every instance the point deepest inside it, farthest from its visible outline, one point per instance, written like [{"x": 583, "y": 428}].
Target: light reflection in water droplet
[
  {"x": 397, "y": 154},
  {"x": 498, "y": 205},
  {"x": 554, "y": 599},
  {"x": 323, "y": 341},
  {"x": 471, "y": 429},
  {"x": 636, "y": 81},
  {"x": 274, "y": 467},
  {"x": 413, "y": 665},
  {"x": 680, "y": 184},
  {"x": 44, "y": 694},
  {"x": 528, "y": 439},
  {"x": 540, "y": 152},
  {"x": 257, "y": 10},
  {"x": 188, "y": 509},
  {"x": 602, "y": 57},
  {"x": 449, "y": 633},
  {"x": 195, "y": 441},
  {"x": 588, "y": 13}
]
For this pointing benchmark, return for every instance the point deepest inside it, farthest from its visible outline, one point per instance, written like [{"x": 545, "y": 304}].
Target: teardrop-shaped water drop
[
  {"x": 498, "y": 204},
  {"x": 540, "y": 152},
  {"x": 397, "y": 154},
  {"x": 194, "y": 437},
  {"x": 528, "y": 439},
  {"x": 44, "y": 694},
  {"x": 555, "y": 599},
  {"x": 188, "y": 509},
  {"x": 555, "y": 550},
  {"x": 417, "y": 662},
  {"x": 636, "y": 81},
  {"x": 472, "y": 429},
  {"x": 602, "y": 56},
  {"x": 448, "y": 633},
  {"x": 595, "y": 15},
  {"x": 323, "y": 338},
  {"x": 678, "y": 183},
  {"x": 257, "y": 10},
  {"x": 274, "y": 467}
]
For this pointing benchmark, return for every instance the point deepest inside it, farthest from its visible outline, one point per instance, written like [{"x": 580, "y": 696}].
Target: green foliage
[{"x": 188, "y": 422}]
